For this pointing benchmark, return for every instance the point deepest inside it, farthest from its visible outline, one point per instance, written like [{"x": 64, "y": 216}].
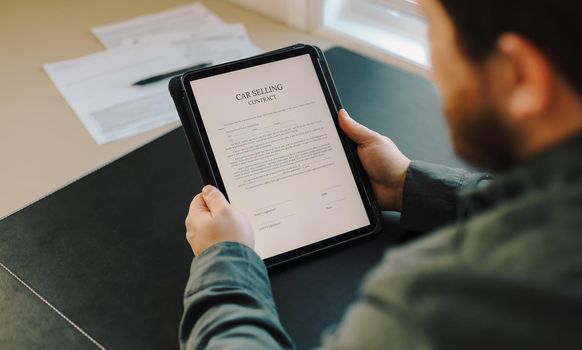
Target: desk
[
  {"x": 43, "y": 146},
  {"x": 109, "y": 249}
]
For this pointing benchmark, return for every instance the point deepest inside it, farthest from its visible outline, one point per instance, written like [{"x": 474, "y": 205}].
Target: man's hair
[{"x": 553, "y": 26}]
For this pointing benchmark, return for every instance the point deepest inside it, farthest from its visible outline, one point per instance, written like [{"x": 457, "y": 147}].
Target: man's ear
[{"x": 531, "y": 78}]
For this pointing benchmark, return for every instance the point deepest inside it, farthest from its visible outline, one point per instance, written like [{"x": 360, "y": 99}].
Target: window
[
  {"x": 389, "y": 30},
  {"x": 409, "y": 7},
  {"x": 393, "y": 27}
]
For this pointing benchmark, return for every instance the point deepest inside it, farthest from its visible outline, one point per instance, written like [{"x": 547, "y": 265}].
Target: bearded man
[{"x": 502, "y": 265}]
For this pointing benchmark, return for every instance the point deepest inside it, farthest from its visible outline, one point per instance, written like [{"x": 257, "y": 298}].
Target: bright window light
[{"x": 394, "y": 26}]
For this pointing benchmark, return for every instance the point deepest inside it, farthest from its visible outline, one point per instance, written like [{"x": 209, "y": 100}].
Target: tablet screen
[{"x": 279, "y": 154}]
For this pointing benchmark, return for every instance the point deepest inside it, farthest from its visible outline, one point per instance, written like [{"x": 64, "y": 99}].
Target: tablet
[{"x": 264, "y": 131}]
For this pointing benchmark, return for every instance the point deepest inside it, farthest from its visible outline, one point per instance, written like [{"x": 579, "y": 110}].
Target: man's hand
[
  {"x": 213, "y": 220},
  {"x": 385, "y": 164}
]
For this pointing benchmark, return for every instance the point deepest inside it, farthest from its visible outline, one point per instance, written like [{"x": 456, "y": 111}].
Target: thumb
[
  {"x": 214, "y": 199},
  {"x": 198, "y": 205},
  {"x": 355, "y": 131}
]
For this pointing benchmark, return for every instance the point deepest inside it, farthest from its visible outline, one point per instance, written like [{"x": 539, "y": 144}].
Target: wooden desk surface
[{"x": 43, "y": 145}]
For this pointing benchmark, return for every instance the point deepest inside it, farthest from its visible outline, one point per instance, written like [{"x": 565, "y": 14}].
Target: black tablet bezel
[{"x": 334, "y": 105}]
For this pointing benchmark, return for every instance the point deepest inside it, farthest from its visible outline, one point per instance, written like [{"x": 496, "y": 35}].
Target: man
[{"x": 504, "y": 268}]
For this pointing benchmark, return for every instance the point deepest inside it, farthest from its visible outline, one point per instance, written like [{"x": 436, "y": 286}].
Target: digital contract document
[{"x": 279, "y": 154}]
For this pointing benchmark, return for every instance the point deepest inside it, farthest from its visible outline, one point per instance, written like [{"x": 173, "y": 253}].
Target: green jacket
[{"x": 504, "y": 271}]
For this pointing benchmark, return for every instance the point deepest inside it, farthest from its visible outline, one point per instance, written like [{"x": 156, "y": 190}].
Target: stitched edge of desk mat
[
  {"x": 51, "y": 306},
  {"x": 169, "y": 139}
]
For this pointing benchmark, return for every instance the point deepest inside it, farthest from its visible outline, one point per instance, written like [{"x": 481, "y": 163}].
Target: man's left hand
[{"x": 213, "y": 220}]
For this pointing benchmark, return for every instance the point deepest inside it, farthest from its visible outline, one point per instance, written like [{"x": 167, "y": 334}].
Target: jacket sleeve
[
  {"x": 228, "y": 303},
  {"x": 432, "y": 195}
]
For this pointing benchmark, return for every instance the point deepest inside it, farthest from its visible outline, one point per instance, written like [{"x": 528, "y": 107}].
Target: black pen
[{"x": 163, "y": 76}]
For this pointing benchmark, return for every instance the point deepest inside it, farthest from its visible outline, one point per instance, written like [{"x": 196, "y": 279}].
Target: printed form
[
  {"x": 100, "y": 87},
  {"x": 279, "y": 154}
]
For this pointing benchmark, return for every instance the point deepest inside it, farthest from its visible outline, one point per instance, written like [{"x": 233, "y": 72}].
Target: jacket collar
[{"x": 557, "y": 166}]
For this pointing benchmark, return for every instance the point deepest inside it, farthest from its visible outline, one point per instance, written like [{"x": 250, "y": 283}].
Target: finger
[
  {"x": 355, "y": 131},
  {"x": 213, "y": 198},
  {"x": 198, "y": 209},
  {"x": 198, "y": 204}
]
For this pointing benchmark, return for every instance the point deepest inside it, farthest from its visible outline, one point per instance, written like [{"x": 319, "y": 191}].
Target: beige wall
[{"x": 291, "y": 12}]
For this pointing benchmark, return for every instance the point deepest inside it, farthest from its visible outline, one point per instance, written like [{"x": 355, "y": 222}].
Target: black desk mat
[
  {"x": 109, "y": 251},
  {"x": 27, "y": 323}
]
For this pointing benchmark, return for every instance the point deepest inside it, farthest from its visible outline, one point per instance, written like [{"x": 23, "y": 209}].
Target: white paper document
[
  {"x": 222, "y": 44},
  {"x": 182, "y": 19},
  {"x": 99, "y": 87}
]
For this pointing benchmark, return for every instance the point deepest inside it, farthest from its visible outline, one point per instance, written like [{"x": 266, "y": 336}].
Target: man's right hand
[{"x": 385, "y": 164}]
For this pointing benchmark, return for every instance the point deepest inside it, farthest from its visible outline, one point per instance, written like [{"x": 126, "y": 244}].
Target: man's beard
[{"x": 481, "y": 137}]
